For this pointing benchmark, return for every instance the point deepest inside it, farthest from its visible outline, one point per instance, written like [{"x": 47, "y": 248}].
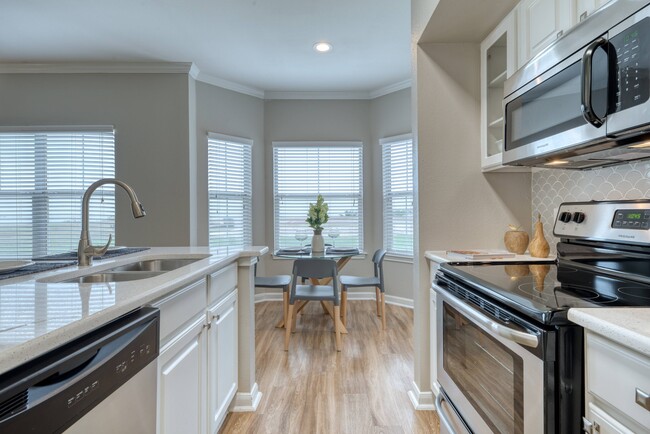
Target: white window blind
[
  {"x": 230, "y": 191},
  {"x": 43, "y": 176},
  {"x": 301, "y": 171},
  {"x": 397, "y": 169}
]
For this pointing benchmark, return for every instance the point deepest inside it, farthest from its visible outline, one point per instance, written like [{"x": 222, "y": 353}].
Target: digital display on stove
[{"x": 631, "y": 219}]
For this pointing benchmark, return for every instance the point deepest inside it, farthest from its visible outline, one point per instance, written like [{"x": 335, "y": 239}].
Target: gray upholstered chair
[
  {"x": 276, "y": 282},
  {"x": 358, "y": 282},
  {"x": 315, "y": 270}
]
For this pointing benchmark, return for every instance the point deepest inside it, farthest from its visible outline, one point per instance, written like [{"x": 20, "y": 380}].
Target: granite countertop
[
  {"x": 628, "y": 326},
  {"x": 441, "y": 256},
  {"x": 37, "y": 314}
]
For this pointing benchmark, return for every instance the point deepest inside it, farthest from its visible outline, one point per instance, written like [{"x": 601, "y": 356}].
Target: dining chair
[
  {"x": 358, "y": 282},
  {"x": 313, "y": 269},
  {"x": 275, "y": 282}
]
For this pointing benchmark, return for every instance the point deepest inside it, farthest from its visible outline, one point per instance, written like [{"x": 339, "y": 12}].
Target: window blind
[
  {"x": 230, "y": 191},
  {"x": 301, "y": 171},
  {"x": 43, "y": 176},
  {"x": 397, "y": 169}
]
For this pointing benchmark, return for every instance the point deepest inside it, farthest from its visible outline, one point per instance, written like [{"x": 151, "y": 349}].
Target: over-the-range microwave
[{"x": 583, "y": 102}]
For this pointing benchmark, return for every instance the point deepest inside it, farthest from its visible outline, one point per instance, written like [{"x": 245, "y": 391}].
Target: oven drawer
[{"x": 619, "y": 377}]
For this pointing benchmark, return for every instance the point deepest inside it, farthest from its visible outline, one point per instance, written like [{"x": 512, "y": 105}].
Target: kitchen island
[{"x": 40, "y": 312}]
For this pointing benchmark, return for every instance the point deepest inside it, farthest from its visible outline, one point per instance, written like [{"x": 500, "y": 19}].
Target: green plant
[{"x": 317, "y": 215}]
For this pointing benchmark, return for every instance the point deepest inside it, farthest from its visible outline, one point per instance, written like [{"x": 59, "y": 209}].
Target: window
[
  {"x": 43, "y": 175},
  {"x": 301, "y": 171},
  {"x": 229, "y": 191},
  {"x": 397, "y": 169}
]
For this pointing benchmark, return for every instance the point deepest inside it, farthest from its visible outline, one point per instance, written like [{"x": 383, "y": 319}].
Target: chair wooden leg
[
  {"x": 287, "y": 328},
  {"x": 378, "y": 298},
  {"x": 337, "y": 315},
  {"x": 285, "y": 305},
  {"x": 293, "y": 319},
  {"x": 383, "y": 310},
  {"x": 344, "y": 307}
]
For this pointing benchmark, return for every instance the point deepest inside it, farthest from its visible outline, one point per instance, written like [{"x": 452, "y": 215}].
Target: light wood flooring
[{"x": 314, "y": 389}]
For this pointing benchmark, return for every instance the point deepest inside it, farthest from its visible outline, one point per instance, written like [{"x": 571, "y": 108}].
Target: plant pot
[{"x": 317, "y": 242}]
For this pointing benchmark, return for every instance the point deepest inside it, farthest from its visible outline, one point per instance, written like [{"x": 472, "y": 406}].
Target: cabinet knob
[
  {"x": 583, "y": 16},
  {"x": 642, "y": 398},
  {"x": 590, "y": 427},
  {"x": 559, "y": 34}
]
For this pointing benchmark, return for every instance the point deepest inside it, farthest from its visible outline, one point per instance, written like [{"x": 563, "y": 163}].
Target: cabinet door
[
  {"x": 181, "y": 379},
  {"x": 603, "y": 423},
  {"x": 584, "y": 8},
  {"x": 222, "y": 358},
  {"x": 540, "y": 23}
]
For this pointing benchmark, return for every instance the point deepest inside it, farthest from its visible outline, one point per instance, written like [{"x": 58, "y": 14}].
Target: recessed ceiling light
[{"x": 322, "y": 47}]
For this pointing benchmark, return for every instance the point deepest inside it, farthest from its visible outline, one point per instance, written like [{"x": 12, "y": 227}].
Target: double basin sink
[{"x": 143, "y": 269}]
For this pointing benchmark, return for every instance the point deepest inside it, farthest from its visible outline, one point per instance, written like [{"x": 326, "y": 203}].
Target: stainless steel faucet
[{"x": 86, "y": 251}]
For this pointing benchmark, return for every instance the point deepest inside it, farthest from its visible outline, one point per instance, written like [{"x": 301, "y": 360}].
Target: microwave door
[{"x": 629, "y": 45}]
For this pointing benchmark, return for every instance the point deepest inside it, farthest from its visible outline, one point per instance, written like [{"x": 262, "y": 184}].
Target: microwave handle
[{"x": 585, "y": 94}]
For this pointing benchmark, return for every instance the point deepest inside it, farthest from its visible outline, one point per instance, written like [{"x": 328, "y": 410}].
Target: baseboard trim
[
  {"x": 247, "y": 402},
  {"x": 421, "y": 400},
  {"x": 390, "y": 299}
]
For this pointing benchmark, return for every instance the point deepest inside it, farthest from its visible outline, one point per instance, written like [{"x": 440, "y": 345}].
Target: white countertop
[
  {"x": 628, "y": 326},
  {"x": 37, "y": 315},
  {"x": 441, "y": 256}
]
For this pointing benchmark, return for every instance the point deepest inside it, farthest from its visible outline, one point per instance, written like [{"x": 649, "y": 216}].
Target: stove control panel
[{"x": 626, "y": 221}]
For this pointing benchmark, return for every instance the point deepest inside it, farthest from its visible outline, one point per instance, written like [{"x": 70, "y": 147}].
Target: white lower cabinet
[
  {"x": 433, "y": 329},
  {"x": 617, "y": 382},
  {"x": 181, "y": 381},
  {"x": 222, "y": 358},
  {"x": 197, "y": 366}
]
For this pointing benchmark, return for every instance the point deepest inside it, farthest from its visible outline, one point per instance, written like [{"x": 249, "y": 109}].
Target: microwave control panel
[{"x": 632, "y": 65}]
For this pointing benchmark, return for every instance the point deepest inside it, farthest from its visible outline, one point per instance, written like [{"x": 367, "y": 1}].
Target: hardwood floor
[{"x": 314, "y": 389}]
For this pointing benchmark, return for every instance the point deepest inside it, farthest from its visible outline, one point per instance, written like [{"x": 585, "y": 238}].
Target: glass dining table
[{"x": 342, "y": 257}]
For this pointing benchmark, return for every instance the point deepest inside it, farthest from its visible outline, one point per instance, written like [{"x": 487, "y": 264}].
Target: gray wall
[
  {"x": 150, "y": 115},
  {"x": 459, "y": 206},
  {"x": 234, "y": 114}
]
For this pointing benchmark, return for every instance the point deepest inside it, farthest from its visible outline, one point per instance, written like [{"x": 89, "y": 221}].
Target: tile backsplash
[{"x": 551, "y": 187}]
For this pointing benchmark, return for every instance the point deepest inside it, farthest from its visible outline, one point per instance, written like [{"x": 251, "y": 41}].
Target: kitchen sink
[
  {"x": 160, "y": 265},
  {"x": 111, "y": 276},
  {"x": 138, "y": 270}
]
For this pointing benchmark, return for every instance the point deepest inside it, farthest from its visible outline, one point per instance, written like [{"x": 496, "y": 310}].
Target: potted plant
[{"x": 316, "y": 218}]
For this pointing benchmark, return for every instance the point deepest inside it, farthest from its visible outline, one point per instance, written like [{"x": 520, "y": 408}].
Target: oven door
[{"x": 491, "y": 379}]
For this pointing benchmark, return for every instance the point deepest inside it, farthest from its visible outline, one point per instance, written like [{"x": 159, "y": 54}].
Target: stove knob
[
  {"x": 578, "y": 217},
  {"x": 565, "y": 217}
]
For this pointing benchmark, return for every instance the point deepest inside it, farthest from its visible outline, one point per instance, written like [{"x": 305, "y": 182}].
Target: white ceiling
[{"x": 264, "y": 45}]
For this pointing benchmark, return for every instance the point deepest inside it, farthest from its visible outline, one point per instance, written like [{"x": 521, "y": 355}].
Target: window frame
[
  {"x": 247, "y": 214},
  {"x": 388, "y": 232},
  {"x": 312, "y": 197}
]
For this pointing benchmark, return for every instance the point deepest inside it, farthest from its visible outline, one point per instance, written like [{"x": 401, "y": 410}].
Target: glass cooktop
[{"x": 545, "y": 291}]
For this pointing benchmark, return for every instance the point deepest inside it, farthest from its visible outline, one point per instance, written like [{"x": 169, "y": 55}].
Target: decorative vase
[
  {"x": 515, "y": 240},
  {"x": 539, "y": 247},
  {"x": 317, "y": 242}
]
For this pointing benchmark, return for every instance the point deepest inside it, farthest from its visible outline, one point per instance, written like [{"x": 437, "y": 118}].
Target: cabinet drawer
[
  {"x": 180, "y": 307},
  {"x": 221, "y": 283},
  {"x": 614, "y": 373}
]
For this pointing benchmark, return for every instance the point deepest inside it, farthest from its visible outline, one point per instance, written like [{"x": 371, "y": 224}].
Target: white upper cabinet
[
  {"x": 584, "y": 8},
  {"x": 540, "y": 22},
  {"x": 498, "y": 62}
]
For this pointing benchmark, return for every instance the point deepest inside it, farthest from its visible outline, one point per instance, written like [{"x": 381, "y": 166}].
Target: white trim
[
  {"x": 403, "y": 259},
  {"x": 421, "y": 400},
  {"x": 230, "y": 85},
  {"x": 390, "y": 299},
  {"x": 247, "y": 402},
  {"x": 302, "y": 144},
  {"x": 97, "y": 68},
  {"x": 59, "y": 128},
  {"x": 231, "y": 139},
  {"x": 270, "y": 95},
  {"x": 390, "y": 89},
  {"x": 194, "y": 71},
  {"x": 397, "y": 138}
]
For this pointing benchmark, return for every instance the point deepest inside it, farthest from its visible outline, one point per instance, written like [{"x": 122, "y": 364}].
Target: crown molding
[
  {"x": 97, "y": 68},
  {"x": 390, "y": 89},
  {"x": 315, "y": 95},
  {"x": 226, "y": 84}
]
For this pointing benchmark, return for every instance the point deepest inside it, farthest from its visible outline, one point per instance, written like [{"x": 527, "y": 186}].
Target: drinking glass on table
[
  {"x": 301, "y": 236},
  {"x": 333, "y": 233}
]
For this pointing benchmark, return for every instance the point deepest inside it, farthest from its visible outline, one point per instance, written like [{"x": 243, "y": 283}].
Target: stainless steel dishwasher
[{"x": 101, "y": 382}]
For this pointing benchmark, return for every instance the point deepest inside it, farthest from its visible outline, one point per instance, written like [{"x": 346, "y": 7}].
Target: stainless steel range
[{"x": 509, "y": 360}]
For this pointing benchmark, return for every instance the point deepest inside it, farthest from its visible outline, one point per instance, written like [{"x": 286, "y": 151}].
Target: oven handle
[
  {"x": 442, "y": 415},
  {"x": 523, "y": 338}
]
